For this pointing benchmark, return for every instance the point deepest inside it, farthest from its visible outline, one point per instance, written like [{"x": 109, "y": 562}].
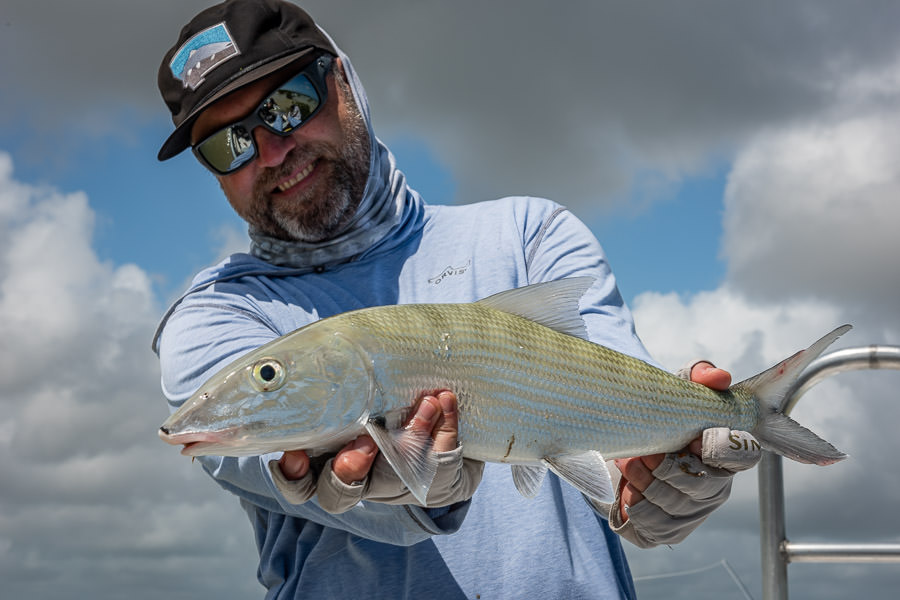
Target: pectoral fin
[
  {"x": 409, "y": 453},
  {"x": 587, "y": 472},
  {"x": 528, "y": 478}
]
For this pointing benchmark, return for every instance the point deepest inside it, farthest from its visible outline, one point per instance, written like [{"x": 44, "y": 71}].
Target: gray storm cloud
[{"x": 567, "y": 101}]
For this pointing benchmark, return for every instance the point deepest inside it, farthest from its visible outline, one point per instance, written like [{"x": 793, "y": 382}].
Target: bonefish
[{"x": 532, "y": 392}]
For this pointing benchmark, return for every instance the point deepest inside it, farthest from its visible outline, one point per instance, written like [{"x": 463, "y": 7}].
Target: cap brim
[{"x": 180, "y": 139}]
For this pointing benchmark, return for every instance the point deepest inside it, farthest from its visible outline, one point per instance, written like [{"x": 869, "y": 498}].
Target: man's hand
[
  {"x": 357, "y": 473},
  {"x": 664, "y": 497},
  {"x": 436, "y": 412},
  {"x": 637, "y": 473}
]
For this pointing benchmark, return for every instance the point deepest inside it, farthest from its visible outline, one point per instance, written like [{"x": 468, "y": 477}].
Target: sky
[{"x": 739, "y": 162}]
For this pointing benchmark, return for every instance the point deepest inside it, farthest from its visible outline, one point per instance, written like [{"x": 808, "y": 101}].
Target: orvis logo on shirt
[{"x": 449, "y": 272}]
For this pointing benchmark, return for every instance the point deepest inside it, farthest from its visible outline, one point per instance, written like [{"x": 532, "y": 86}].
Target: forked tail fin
[{"x": 776, "y": 431}]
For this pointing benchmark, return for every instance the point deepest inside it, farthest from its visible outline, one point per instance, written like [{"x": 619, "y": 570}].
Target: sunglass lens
[
  {"x": 289, "y": 106},
  {"x": 241, "y": 142},
  {"x": 227, "y": 149}
]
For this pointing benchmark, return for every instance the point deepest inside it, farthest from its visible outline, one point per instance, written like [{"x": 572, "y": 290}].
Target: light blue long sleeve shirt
[{"x": 498, "y": 545}]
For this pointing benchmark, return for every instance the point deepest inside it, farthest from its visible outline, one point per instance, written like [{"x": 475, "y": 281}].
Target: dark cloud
[
  {"x": 513, "y": 97},
  {"x": 811, "y": 210}
]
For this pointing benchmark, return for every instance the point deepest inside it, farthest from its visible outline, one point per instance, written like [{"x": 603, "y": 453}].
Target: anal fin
[
  {"x": 528, "y": 478},
  {"x": 586, "y": 472}
]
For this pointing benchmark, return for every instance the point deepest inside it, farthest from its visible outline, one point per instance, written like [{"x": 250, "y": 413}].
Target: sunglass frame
[{"x": 315, "y": 73}]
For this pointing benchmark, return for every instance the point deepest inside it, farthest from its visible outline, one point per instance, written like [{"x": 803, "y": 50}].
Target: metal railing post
[
  {"x": 771, "y": 528},
  {"x": 776, "y": 551}
]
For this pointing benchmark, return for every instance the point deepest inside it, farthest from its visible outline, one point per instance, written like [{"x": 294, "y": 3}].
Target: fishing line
[{"x": 722, "y": 563}]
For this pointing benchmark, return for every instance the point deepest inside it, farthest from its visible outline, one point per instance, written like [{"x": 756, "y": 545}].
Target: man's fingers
[
  {"x": 437, "y": 416},
  {"x": 426, "y": 415},
  {"x": 355, "y": 459},
  {"x": 638, "y": 472},
  {"x": 696, "y": 447},
  {"x": 630, "y": 497},
  {"x": 447, "y": 427},
  {"x": 712, "y": 377},
  {"x": 434, "y": 415},
  {"x": 294, "y": 464}
]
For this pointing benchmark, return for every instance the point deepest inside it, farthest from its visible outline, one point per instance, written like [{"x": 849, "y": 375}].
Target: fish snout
[{"x": 165, "y": 435}]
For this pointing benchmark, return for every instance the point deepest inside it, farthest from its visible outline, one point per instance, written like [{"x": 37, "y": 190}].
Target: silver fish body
[
  {"x": 526, "y": 392},
  {"x": 531, "y": 391}
]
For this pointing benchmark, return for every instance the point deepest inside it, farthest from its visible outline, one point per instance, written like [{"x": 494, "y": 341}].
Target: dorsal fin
[{"x": 553, "y": 304}]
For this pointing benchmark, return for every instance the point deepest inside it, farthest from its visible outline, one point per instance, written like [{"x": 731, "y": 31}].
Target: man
[{"x": 335, "y": 227}]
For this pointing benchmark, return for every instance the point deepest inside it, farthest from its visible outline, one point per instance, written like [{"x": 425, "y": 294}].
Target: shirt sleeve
[
  {"x": 205, "y": 334},
  {"x": 561, "y": 246}
]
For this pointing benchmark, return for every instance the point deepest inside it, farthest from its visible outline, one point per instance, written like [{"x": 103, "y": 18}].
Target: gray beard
[
  {"x": 336, "y": 217},
  {"x": 327, "y": 209}
]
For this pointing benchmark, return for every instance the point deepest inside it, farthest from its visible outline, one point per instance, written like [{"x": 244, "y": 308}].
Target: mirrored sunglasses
[{"x": 290, "y": 106}]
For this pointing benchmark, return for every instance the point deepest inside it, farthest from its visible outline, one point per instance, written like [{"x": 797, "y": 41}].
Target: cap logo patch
[{"x": 201, "y": 54}]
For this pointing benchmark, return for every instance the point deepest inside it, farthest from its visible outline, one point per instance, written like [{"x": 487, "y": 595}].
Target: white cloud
[
  {"x": 728, "y": 328},
  {"x": 808, "y": 238},
  {"x": 88, "y": 490},
  {"x": 812, "y": 211}
]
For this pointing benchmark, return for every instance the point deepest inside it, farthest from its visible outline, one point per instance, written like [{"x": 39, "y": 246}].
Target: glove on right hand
[{"x": 686, "y": 489}]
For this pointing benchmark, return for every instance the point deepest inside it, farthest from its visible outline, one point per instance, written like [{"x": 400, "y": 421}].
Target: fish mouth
[{"x": 195, "y": 442}]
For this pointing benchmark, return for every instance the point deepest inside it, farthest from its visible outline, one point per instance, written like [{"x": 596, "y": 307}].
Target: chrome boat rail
[{"x": 777, "y": 551}]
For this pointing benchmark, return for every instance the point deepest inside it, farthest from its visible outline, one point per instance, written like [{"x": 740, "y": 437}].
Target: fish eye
[{"x": 267, "y": 375}]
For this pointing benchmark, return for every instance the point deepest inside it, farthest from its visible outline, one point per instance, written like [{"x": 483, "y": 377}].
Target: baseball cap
[{"x": 226, "y": 47}]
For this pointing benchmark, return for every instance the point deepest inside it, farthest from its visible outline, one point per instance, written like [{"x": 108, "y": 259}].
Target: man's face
[{"x": 305, "y": 186}]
